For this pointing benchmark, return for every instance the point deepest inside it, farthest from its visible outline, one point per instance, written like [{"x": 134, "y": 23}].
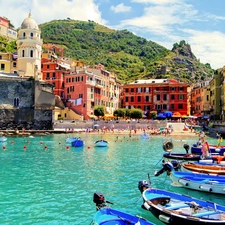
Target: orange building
[{"x": 156, "y": 95}]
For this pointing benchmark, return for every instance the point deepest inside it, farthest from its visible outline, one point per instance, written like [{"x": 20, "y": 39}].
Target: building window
[
  {"x": 172, "y": 89},
  {"x": 139, "y": 90},
  {"x": 0, "y": 56},
  {"x": 180, "y": 106},
  {"x": 24, "y": 34},
  {"x": 48, "y": 66},
  {"x": 132, "y": 90},
  {"x": 47, "y": 76},
  {"x": 165, "y": 97},
  {"x": 31, "y": 35},
  {"x": 14, "y": 64},
  {"x": 181, "y": 97},
  {"x": 147, "y": 98},
  {"x": 181, "y": 88},
  {"x": 164, "y": 107},
  {"x": 53, "y": 74},
  {"x": 172, "y": 107},
  {"x": 80, "y": 95},
  {"x": 127, "y": 99},
  {"x": 126, "y": 90},
  {"x": 31, "y": 53},
  {"x": 132, "y": 99},
  {"x": 139, "y": 98},
  {"x": 2, "y": 66},
  {"x": 172, "y": 97},
  {"x": 147, "y": 90},
  {"x": 23, "y": 53},
  {"x": 16, "y": 102},
  {"x": 158, "y": 97}
]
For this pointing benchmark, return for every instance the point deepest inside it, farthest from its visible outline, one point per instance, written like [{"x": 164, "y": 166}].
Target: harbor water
[{"x": 43, "y": 180}]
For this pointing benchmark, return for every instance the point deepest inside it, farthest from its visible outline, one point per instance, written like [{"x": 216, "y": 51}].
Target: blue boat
[
  {"x": 70, "y": 140},
  {"x": 195, "y": 181},
  {"x": 108, "y": 216},
  {"x": 77, "y": 143},
  {"x": 173, "y": 208}
]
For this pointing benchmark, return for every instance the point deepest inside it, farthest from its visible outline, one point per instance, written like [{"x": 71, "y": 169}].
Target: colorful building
[
  {"x": 6, "y": 30},
  {"x": 155, "y": 95}
]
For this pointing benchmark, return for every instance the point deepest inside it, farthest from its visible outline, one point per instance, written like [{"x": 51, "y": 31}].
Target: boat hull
[
  {"x": 101, "y": 143},
  {"x": 3, "y": 139},
  {"x": 173, "y": 208},
  {"x": 77, "y": 143},
  {"x": 108, "y": 216},
  {"x": 212, "y": 149},
  {"x": 200, "y": 182}
]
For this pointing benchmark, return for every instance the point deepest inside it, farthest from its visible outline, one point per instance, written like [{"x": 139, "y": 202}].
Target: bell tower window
[
  {"x": 23, "y": 53},
  {"x": 31, "y": 35},
  {"x": 31, "y": 53},
  {"x": 24, "y": 35}
]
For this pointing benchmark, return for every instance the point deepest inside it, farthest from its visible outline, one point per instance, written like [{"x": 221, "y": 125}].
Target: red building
[{"x": 156, "y": 95}]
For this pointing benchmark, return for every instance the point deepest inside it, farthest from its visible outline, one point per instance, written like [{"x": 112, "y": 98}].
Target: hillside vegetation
[{"x": 129, "y": 56}]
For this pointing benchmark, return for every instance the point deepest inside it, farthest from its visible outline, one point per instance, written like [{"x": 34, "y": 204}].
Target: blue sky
[{"x": 201, "y": 23}]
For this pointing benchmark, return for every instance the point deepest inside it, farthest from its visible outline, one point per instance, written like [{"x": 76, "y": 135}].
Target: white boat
[
  {"x": 145, "y": 136},
  {"x": 3, "y": 139},
  {"x": 101, "y": 143}
]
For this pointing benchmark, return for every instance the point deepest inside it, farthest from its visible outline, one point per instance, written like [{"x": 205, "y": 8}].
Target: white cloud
[
  {"x": 157, "y": 2},
  {"x": 47, "y": 10},
  {"x": 121, "y": 8},
  {"x": 208, "y": 46}
]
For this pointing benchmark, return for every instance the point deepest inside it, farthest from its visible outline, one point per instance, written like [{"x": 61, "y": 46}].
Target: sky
[{"x": 201, "y": 23}]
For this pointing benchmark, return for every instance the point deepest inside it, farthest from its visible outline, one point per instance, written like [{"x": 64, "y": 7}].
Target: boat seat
[
  {"x": 177, "y": 206},
  {"x": 206, "y": 213}
]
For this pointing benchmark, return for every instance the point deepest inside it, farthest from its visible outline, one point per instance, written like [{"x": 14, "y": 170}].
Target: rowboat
[
  {"x": 196, "y": 181},
  {"x": 3, "y": 139},
  {"x": 77, "y": 143},
  {"x": 107, "y": 216},
  {"x": 101, "y": 143},
  {"x": 212, "y": 169},
  {"x": 173, "y": 208}
]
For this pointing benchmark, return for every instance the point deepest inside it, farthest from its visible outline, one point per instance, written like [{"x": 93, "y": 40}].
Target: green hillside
[{"x": 129, "y": 56}]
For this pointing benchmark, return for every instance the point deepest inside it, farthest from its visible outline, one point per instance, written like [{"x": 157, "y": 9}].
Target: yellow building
[{"x": 5, "y": 62}]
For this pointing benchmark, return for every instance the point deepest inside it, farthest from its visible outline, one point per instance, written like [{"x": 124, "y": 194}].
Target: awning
[
  {"x": 109, "y": 116},
  {"x": 176, "y": 115}
]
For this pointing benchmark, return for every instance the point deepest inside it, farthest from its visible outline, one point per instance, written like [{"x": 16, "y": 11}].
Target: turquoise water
[{"x": 42, "y": 181}]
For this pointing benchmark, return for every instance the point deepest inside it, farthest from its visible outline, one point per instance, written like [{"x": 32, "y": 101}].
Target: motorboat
[
  {"x": 212, "y": 169},
  {"x": 101, "y": 143},
  {"x": 196, "y": 181},
  {"x": 77, "y": 143},
  {"x": 3, "y": 139},
  {"x": 108, "y": 216},
  {"x": 174, "y": 208}
]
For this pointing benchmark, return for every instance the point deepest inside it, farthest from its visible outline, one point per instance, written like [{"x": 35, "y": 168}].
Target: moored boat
[
  {"x": 3, "y": 139},
  {"x": 195, "y": 181},
  {"x": 77, "y": 143},
  {"x": 173, "y": 208},
  {"x": 101, "y": 143},
  {"x": 107, "y": 216},
  {"x": 212, "y": 169}
]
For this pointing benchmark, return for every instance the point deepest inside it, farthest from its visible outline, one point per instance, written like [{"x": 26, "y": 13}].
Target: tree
[
  {"x": 136, "y": 113},
  {"x": 99, "y": 111},
  {"x": 119, "y": 113}
]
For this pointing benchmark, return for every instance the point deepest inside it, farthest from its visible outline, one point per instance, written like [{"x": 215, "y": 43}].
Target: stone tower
[{"x": 29, "y": 48}]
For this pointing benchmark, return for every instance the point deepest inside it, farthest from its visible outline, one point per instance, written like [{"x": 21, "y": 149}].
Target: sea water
[{"x": 43, "y": 180}]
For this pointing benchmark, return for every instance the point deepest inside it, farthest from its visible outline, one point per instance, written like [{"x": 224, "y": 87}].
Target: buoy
[
  {"x": 12, "y": 142},
  {"x": 24, "y": 147},
  {"x": 67, "y": 147},
  {"x": 59, "y": 143},
  {"x": 4, "y": 147},
  {"x": 46, "y": 146},
  {"x": 41, "y": 142},
  {"x": 89, "y": 147}
]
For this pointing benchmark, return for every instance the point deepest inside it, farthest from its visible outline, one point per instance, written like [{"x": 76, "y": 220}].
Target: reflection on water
[{"x": 45, "y": 181}]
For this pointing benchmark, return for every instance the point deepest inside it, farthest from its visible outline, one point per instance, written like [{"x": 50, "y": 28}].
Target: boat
[
  {"x": 71, "y": 139},
  {"x": 145, "y": 136},
  {"x": 195, "y": 181},
  {"x": 212, "y": 169},
  {"x": 108, "y": 216},
  {"x": 213, "y": 149},
  {"x": 77, "y": 143},
  {"x": 187, "y": 157},
  {"x": 173, "y": 208},
  {"x": 101, "y": 143},
  {"x": 3, "y": 139}
]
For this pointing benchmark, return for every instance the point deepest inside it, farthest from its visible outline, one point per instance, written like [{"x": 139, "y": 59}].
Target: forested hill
[{"x": 129, "y": 56}]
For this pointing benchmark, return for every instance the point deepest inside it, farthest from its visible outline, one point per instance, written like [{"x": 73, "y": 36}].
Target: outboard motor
[
  {"x": 167, "y": 167},
  {"x": 176, "y": 165},
  {"x": 99, "y": 200},
  {"x": 143, "y": 185},
  {"x": 186, "y": 147}
]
